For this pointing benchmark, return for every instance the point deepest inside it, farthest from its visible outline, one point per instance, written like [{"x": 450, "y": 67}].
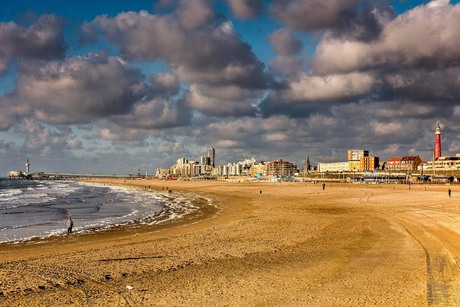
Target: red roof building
[{"x": 403, "y": 164}]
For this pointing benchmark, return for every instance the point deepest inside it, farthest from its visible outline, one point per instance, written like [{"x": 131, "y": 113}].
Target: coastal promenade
[{"x": 275, "y": 244}]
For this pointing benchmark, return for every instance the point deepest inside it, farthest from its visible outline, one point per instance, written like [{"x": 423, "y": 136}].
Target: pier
[{"x": 63, "y": 176}]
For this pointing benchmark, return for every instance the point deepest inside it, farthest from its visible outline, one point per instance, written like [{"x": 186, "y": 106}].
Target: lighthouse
[{"x": 437, "y": 146}]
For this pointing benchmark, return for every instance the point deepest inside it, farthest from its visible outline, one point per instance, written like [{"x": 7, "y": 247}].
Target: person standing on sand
[
  {"x": 449, "y": 192},
  {"x": 69, "y": 226},
  {"x": 324, "y": 186}
]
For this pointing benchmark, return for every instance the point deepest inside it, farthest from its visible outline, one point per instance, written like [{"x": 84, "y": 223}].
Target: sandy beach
[{"x": 294, "y": 244}]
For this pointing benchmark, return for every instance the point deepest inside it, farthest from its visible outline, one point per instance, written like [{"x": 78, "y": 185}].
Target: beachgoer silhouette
[
  {"x": 449, "y": 192},
  {"x": 69, "y": 226},
  {"x": 324, "y": 186}
]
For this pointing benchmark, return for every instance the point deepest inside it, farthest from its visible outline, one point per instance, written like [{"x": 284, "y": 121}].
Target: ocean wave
[
  {"x": 9, "y": 193},
  {"x": 94, "y": 208}
]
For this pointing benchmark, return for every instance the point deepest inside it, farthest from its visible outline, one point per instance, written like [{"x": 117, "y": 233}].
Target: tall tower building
[
  {"x": 212, "y": 156},
  {"x": 27, "y": 166},
  {"x": 307, "y": 164},
  {"x": 437, "y": 146}
]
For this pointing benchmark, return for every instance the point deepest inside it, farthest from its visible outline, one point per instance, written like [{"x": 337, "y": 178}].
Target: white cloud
[{"x": 332, "y": 87}]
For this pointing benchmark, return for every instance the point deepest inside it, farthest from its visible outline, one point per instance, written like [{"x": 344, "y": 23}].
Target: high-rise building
[
  {"x": 437, "y": 145},
  {"x": 306, "y": 166},
  {"x": 204, "y": 160},
  {"x": 212, "y": 156}
]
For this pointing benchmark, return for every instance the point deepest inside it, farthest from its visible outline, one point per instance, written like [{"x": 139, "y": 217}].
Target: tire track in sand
[
  {"x": 366, "y": 197},
  {"x": 442, "y": 254}
]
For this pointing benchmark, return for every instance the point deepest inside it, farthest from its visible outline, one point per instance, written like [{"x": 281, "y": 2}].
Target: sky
[{"x": 115, "y": 86}]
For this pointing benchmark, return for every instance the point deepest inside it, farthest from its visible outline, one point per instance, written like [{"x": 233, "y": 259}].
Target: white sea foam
[{"x": 93, "y": 207}]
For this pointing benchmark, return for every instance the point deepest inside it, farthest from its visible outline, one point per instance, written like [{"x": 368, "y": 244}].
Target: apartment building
[
  {"x": 357, "y": 154},
  {"x": 258, "y": 169},
  {"x": 368, "y": 163},
  {"x": 403, "y": 164},
  {"x": 281, "y": 168}
]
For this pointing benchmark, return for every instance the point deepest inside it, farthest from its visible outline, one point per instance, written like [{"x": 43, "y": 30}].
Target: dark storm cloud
[
  {"x": 246, "y": 8},
  {"x": 154, "y": 113},
  {"x": 220, "y": 58},
  {"x": 273, "y": 105},
  {"x": 147, "y": 118},
  {"x": 79, "y": 89},
  {"x": 309, "y": 15},
  {"x": 361, "y": 19},
  {"x": 424, "y": 37},
  {"x": 214, "y": 54},
  {"x": 423, "y": 85},
  {"x": 43, "y": 39}
]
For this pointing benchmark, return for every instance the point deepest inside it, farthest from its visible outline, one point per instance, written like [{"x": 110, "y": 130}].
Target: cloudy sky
[{"x": 113, "y": 86}]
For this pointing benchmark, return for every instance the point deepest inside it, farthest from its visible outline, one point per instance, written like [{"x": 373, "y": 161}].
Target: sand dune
[{"x": 292, "y": 245}]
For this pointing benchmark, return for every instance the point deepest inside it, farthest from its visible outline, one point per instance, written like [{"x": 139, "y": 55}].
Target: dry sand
[{"x": 294, "y": 245}]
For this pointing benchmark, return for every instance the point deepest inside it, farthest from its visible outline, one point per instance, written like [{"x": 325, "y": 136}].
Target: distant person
[
  {"x": 260, "y": 192},
  {"x": 449, "y": 192},
  {"x": 69, "y": 226},
  {"x": 324, "y": 186}
]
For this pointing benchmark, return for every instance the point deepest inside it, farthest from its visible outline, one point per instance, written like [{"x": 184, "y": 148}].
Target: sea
[{"x": 31, "y": 209}]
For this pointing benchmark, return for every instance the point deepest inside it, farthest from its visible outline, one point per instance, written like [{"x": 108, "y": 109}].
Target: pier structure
[
  {"x": 63, "y": 176},
  {"x": 27, "y": 166}
]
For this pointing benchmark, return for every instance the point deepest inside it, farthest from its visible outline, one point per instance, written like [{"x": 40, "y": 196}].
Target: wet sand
[{"x": 292, "y": 245}]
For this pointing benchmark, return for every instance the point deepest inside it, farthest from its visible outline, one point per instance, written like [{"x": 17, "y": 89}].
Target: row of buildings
[
  {"x": 361, "y": 161},
  {"x": 206, "y": 168},
  {"x": 358, "y": 160}
]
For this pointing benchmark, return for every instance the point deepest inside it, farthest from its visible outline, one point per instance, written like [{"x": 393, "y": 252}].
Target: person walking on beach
[
  {"x": 449, "y": 192},
  {"x": 69, "y": 226},
  {"x": 324, "y": 186}
]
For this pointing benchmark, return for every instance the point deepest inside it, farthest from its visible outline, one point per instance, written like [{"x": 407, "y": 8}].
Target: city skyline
[{"x": 94, "y": 88}]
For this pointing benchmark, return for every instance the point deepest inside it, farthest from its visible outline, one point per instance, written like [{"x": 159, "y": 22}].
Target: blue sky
[{"x": 98, "y": 87}]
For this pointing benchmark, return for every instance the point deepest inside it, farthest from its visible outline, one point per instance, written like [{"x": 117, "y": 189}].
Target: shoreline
[
  {"x": 292, "y": 244},
  {"x": 207, "y": 210}
]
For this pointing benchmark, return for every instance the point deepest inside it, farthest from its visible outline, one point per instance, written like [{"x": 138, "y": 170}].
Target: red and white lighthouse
[{"x": 437, "y": 146}]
